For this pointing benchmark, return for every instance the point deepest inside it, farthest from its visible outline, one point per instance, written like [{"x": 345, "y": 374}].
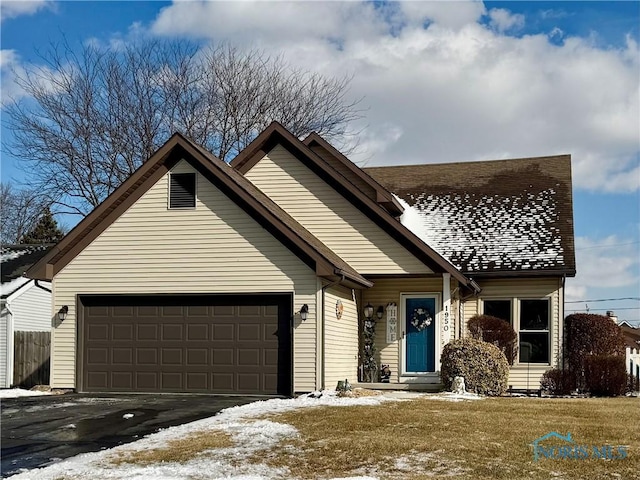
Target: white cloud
[
  {"x": 15, "y": 8},
  {"x": 9, "y": 65},
  {"x": 456, "y": 89},
  {"x": 503, "y": 20}
]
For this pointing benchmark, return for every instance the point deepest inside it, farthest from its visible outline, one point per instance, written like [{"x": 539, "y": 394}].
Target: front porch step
[{"x": 419, "y": 387}]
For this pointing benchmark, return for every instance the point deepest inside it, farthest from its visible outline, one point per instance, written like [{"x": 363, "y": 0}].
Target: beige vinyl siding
[
  {"x": 523, "y": 376},
  {"x": 32, "y": 310},
  {"x": 330, "y": 217},
  {"x": 389, "y": 290},
  {"x": 341, "y": 337},
  {"x": 215, "y": 248}
]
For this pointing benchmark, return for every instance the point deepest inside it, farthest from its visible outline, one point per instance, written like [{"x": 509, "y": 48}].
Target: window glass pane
[
  {"x": 534, "y": 315},
  {"x": 498, "y": 308},
  {"x": 534, "y": 347}
]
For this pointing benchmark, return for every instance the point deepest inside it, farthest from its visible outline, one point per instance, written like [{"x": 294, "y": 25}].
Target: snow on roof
[
  {"x": 11, "y": 286},
  {"x": 492, "y": 216},
  {"x": 7, "y": 254},
  {"x": 486, "y": 232},
  {"x": 16, "y": 259}
]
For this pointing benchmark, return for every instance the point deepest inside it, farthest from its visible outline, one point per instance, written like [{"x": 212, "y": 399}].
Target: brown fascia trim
[
  {"x": 279, "y": 135},
  {"x": 522, "y": 273},
  {"x": 104, "y": 214},
  {"x": 382, "y": 276},
  {"x": 271, "y": 222},
  {"x": 255, "y": 151},
  {"x": 383, "y": 196}
]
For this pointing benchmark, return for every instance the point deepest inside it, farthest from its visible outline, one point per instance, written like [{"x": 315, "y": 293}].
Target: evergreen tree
[{"x": 46, "y": 230}]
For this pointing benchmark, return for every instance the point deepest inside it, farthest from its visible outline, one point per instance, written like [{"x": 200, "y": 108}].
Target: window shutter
[{"x": 183, "y": 190}]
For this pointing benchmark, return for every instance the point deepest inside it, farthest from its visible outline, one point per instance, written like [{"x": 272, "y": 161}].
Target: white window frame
[{"x": 515, "y": 322}]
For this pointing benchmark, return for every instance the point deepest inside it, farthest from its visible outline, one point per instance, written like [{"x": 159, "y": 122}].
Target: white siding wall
[
  {"x": 526, "y": 376},
  {"x": 214, "y": 248},
  {"x": 32, "y": 310},
  {"x": 330, "y": 217},
  {"x": 341, "y": 337}
]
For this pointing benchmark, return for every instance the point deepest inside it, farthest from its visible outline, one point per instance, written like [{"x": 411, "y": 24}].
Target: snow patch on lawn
[
  {"x": 454, "y": 397},
  {"x": 250, "y": 434},
  {"x": 19, "y": 392}
]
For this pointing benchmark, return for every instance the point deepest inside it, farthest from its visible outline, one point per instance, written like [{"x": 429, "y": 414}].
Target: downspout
[
  {"x": 322, "y": 314},
  {"x": 9, "y": 366}
]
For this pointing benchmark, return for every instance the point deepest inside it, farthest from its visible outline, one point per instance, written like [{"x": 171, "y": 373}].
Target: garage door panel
[
  {"x": 172, "y": 332},
  {"x": 122, "y": 332},
  {"x": 198, "y": 344},
  {"x": 223, "y": 332},
  {"x": 198, "y": 331},
  {"x": 122, "y": 356}
]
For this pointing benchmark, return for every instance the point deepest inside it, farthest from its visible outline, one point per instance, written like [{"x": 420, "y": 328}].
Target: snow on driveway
[
  {"x": 249, "y": 433},
  {"x": 19, "y": 392}
]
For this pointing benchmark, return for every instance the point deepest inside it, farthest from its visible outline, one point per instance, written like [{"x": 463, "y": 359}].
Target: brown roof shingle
[{"x": 493, "y": 216}]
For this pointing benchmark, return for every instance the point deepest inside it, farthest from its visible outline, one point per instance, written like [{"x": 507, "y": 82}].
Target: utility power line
[
  {"x": 605, "y": 245},
  {"x": 605, "y": 300}
]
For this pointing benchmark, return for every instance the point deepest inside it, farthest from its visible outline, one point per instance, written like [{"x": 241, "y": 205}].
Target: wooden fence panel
[{"x": 31, "y": 358}]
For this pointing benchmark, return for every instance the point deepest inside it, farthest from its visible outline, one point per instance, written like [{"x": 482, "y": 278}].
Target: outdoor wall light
[
  {"x": 368, "y": 311},
  {"x": 380, "y": 312},
  {"x": 304, "y": 312},
  {"x": 62, "y": 313}
]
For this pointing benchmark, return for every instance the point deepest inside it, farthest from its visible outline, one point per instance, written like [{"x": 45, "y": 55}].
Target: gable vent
[{"x": 182, "y": 192}]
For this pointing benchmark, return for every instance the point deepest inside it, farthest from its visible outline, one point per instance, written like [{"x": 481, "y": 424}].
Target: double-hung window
[{"x": 530, "y": 318}]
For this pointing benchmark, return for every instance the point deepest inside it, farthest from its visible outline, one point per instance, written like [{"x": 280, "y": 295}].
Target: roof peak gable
[{"x": 239, "y": 189}]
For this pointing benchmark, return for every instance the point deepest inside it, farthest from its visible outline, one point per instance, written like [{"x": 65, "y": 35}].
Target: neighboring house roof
[
  {"x": 492, "y": 217},
  {"x": 276, "y": 134},
  {"x": 15, "y": 260},
  {"x": 631, "y": 335},
  {"x": 244, "y": 193}
]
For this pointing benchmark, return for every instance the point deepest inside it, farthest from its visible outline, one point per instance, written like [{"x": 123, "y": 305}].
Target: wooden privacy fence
[{"x": 31, "y": 358}]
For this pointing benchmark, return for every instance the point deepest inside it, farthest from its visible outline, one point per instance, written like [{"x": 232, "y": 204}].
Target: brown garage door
[{"x": 213, "y": 344}]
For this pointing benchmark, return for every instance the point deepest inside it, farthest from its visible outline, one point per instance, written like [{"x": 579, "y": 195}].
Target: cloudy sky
[{"x": 439, "y": 82}]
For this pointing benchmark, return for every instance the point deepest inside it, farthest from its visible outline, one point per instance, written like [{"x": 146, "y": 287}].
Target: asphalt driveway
[{"x": 37, "y": 431}]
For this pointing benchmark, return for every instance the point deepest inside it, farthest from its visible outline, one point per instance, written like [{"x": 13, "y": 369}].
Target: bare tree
[
  {"x": 90, "y": 119},
  {"x": 21, "y": 210}
]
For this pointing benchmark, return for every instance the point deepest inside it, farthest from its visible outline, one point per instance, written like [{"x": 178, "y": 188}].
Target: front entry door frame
[{"x": 437, "y": 326}]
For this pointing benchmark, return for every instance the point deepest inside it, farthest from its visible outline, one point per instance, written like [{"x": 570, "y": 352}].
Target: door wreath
[{"x": 421, "y": 318}]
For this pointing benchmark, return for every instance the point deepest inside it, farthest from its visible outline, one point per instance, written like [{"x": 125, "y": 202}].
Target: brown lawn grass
[
  {"x": 486, "y": 439},
  {"x": 180, "y": 450}
]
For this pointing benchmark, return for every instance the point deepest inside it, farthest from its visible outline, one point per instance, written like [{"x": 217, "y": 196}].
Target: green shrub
[
  {"x": 484, "y": 367},
  {"x": 606, "y": 375},
  {"x": 557, "y": 382},
  {"x": 588, "y": 335},
  {"x": 496, "y": 331}
]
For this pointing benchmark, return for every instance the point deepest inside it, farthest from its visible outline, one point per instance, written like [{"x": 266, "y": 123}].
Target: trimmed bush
[
  {"x": 590, "y": 335},
  {"x": 557, "y": 382},
  {"x": 496, "y": 331},
  {"x": 484, "y": 367},
  {"x": 606, "y": 375}
]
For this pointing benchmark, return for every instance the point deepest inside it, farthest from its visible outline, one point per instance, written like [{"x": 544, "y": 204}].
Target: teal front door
[{"x": 420, "y": 328}]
